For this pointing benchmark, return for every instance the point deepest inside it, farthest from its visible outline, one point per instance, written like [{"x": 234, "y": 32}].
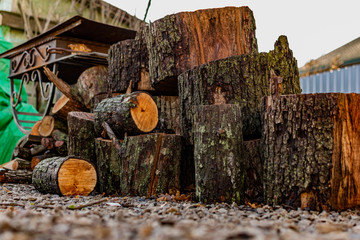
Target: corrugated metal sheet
[{"x": 344, "y": 80}]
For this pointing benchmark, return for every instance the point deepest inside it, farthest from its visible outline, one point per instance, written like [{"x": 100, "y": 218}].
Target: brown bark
[
  {"x": 307, "y": 145},
  {"x": 150, "y": 164},
  {"x": 15, "y": 176},
  {"x": 182, "y": 41},
  {"x": 240, "y": 80},
  {"x": 133, "y": 114},
  {"x": 66, "y": 176},
  {"x": 218, "y": 152},
  {"x": 92, "y": 82},
  {"x": 169, "y": 114},
  {"x": 81, "y": 135}
]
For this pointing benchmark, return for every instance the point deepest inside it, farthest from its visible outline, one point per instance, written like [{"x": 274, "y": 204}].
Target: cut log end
[
  {"x": 46, "y": 126},
  {"x": 76, "y": 177},
  {"x": 63, "y": 100},
  {"x": 145, "y": 114}
]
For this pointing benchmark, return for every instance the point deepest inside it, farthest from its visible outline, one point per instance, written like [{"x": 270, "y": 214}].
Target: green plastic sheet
[{"x": 9, "y": 133}]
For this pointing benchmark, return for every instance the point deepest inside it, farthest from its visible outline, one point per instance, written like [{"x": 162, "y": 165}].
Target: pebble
[{"x": 33, "y": 215}]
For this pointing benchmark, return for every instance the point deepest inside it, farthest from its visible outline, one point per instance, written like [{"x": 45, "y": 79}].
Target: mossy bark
[
  {"x": 242, "y": 80},
  {"x": 308, "y": 151},
  {"x": 169, "y": 114},
  {"x": 150, "y": 164},
  {"x": 179, "y": 42},
  {"x": 218, "y": 152},
  {"x": 81, "y": 137},
  {"x": 108, "y": 163}
]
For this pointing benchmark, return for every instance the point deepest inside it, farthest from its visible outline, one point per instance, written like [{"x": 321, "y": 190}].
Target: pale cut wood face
[
  {"x": 76, "y": 177},
  {"x": 145, "y": 114},
  {"x": 60, "y": 103},
  {"x": 46, "y": 126}
]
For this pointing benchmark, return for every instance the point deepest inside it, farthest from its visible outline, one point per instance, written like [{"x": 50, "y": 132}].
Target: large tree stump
[
  {"x": 133, "y": 114},
  {"x": 108, "y": 161},
  {"x": 179, "y": 42},
  {"x": 218, "y": 151},
  {"x": 311, "y": 150},
  {"x": 150, "y": 164},
  {"x": 81, "y": 135},
  {"x": 66, "y": 176},
  {"x": 240, "y": 80},
  {"x": 129, "y": 60}
]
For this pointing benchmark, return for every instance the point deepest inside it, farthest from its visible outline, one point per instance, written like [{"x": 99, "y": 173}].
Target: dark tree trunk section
[
  {"x": 169, "y": 114},
  {"x": 179, "y": 42},
  {"x": 129, "y": 60},
  {"x": 65, "y": 176},
  {"x": 133, "y": 114},
  {"x": 218, "y": 152},
  {"x": 81, "y": 135},
  {"x": 108, "y": 166},
  {"x": 15, "y": 176},
  {"x": 254, "y": 174},
  {"x": 307, "y": 148},
  {"x": 150, "y": 164},
  {"x": 240, "y": 80}
]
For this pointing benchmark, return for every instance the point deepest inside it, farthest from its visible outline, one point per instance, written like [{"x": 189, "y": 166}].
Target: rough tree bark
[
  {"x": 169, "y": 114},
  {"x": 108, "y": 161},
  {"x": 133, "y": 113},
  {"x": 218, "y": 152},
  {"x": 240, "y": 80},
  {"x": 66, "y": 176},
  {"x": 150, "y": 164},
  {"x": 81, "y": 135},
  {"x": 179, "y": 42},
  {"x": 308, "y": 150}
]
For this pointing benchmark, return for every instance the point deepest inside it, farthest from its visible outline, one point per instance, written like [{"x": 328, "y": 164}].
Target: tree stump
[
  {"x": 242, "y": 80},
  {"x": 108, "y": 161},
  {"x": 182, "y": 41},
  {"x": 310, "y": 152},
  {"x": 169, "y": 114},
  {"x": 81, "y": 135},
  {"x": 133, "y": 114},
  {"x": 150, "y": 164},
  {"x": 66, "y": 176},
  {"x": 218, "y": 153}
]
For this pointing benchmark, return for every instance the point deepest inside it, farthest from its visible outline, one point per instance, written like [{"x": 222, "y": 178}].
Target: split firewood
[
  {"x": 218, "y": 152},
  {"x": 35, "y": 129},
  {"x": 65, "y": 105},
  {"x": 49, "y": 124},
  {"x": 66, "y": 176},
  {"x": 81, "y": 135},
  {"x": 133, "y": 113},
  {"x": 308, "y": 149}
]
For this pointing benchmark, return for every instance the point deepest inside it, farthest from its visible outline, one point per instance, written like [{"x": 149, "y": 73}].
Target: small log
[
  {"x": 68, "y": 176},
  {"x": 242, "y": 80},
  {"x": 35, "y": 129},
  {"x": 65, "y": 105},
  {"x": 58, "y": 135},
  {"x": 98, "y": 98},
  {"x": 150, "y": 164},
  {"x": 133, "y": 113},
  {"x": 15, "y": 176},
  {"x": 49, "y": 124},
  {"x": 92, "y": 82},
  {"x": 9, "y": 165},
  {"x": 21, "y": 164},
  {"x": 218, "y": 153},
  {"x": 81, "y": 135},
  {"x": 22, "y": 152},
  {"x": 308, "y": 149},
  {"x": 182, "y": 41},
  {"x": 108, "y": 163}
]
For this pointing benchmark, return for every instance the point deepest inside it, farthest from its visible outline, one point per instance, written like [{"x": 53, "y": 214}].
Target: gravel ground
[{"x": 27, "y": 214}]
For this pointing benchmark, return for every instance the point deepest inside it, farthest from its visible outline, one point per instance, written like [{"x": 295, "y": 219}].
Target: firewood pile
[{"x": 190, "y": 103}]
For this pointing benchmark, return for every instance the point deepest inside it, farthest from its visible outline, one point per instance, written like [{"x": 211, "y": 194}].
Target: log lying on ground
[
  {"x": 15, "y": 176},
  {"x": 129, "y": 113},
  {"x": 108, "y": 161},
  {"x": 66, "y": 176},
  {"x": 81, "y": 135},
  {"x": 240, "y": 80},
  {"x": 150, "y": 164},
  {"x": 309, "y": 150},
  {"x": 179, "y": 42},
  {"x": 17, "y": 164},
  {"x": 218, "y": 152},
  {"x": 254, "y": 172}
]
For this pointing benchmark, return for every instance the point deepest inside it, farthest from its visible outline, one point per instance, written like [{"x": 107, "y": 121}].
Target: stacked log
[{"x": 309, "y": 158}]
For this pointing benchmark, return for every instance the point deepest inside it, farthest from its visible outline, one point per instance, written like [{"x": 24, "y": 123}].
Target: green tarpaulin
[{"x": 9, "y": 133}]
